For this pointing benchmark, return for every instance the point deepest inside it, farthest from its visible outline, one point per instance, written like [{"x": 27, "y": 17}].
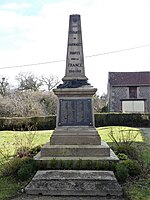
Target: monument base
[{"x": 75, "y": 183}]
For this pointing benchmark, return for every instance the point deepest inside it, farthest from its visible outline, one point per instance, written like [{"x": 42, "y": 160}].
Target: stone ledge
[
  {"x": 83, "y": 91},
  {"x": 111, "y": 158}
]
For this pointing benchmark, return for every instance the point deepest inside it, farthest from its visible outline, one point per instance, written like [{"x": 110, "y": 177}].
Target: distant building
[{"x": 129, "y": 92}]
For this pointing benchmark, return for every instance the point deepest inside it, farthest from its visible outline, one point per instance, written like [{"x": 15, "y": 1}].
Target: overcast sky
[{"x": 36, "y": 31}]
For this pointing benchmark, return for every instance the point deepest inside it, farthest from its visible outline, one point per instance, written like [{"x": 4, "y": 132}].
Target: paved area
[{"x": 146, "y": 131}]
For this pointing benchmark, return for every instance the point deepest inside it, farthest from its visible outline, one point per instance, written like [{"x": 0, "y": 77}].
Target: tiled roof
[{"x": 129, "y": 78}]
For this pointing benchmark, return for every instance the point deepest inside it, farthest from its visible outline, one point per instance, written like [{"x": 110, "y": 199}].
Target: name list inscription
[{"x": 75, "y": 112}]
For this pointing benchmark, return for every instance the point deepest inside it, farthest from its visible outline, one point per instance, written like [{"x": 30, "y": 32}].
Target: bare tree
[
  {"x": 4, "y": 86},
  {"x": 28, "y": 81},
  {"x": 27, "y": 99},
  {"x": 99, "y": 102},
  {"x": 51, "y": 81}
]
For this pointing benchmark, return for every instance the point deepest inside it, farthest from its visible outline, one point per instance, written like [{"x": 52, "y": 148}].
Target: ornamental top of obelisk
[{"x": 75, "y": 59}]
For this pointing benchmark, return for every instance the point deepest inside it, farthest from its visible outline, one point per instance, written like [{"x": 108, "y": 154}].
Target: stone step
[
  {"x": 75, "y": 136},
  {"x": 74, "y": 150},
  {"x": 75, "y": 183},
  {"x": 75, "y": 139}
]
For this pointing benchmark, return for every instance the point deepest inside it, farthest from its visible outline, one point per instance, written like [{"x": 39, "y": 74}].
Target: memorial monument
[{"x": 75, "y": 136}]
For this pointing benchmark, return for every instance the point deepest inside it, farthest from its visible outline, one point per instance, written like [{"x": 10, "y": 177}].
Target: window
[
  {"x": 133, "y": 92},
  {"x": 133, "y": 106}
]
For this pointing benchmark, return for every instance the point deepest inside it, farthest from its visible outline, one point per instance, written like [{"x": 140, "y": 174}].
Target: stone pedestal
[{"x": 75, "y": 183}]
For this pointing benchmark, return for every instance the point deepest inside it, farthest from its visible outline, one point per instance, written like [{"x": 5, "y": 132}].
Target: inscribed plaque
[{"x": 75, "y": 112}]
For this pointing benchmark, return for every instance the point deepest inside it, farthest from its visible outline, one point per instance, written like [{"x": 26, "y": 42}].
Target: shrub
[
  {"x": 11, "y": 167},
  {"x": 62, "y": 164},
  {"x": 22, "y": 151},
  {"x": 79, "y": 164},
  {"x": 26, "y": 170},
  {"x": 53, "y": 163},
  {"x": 122, "y": 156},
  {"x": 69, "y": 164},
  {"x": 89, "y": 165},
  {"x": 125, "y": 137},
  {"x": 130, "y": 151},
  {"x": 132, "y": 166},
  {"x": 121, "y": 172},
  {"x": 33, "y": 151}
]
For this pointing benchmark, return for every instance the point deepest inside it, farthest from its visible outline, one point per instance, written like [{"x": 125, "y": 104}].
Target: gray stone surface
[
  {"x": 102, "y": 153},
  {"x": 117, "y": 93},
  {"x": 41, "y": 197},
  {"x": 77, "y": 135},
  {"x": 74, "y": 150},
  {"x": 146, "y": 131},
  {"x": 75, "y": 58},
  {"x": 74, "y": 183}
]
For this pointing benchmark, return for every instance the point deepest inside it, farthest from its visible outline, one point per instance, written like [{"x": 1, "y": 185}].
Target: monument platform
[{"x": 75, "y": 183}]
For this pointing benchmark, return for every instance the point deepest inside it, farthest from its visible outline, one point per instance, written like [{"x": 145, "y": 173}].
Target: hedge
[
  {"x": 49, "y": 122},
  {"x": 122, "y": 119},
  {"x": 28, "y": 123}
]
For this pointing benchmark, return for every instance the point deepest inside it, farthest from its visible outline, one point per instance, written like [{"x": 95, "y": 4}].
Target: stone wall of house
[
  {"x": 144, "y": 93},
  {"x": 115, "y": 94}
]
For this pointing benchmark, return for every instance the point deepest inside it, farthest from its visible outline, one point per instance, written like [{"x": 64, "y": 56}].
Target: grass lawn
[
  {"x": 10, "y": 140},
  {"x": 119, "y": 131}
]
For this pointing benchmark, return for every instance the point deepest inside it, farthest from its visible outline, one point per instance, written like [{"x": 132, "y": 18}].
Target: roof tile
[{"x": 129, "y": 78}]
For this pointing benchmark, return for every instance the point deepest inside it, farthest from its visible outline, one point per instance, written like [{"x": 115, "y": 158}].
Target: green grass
[
  {"x": 104, "y": 132},
  {"x": 9, "y": 187},
  {"x": 9, "y": 140}
]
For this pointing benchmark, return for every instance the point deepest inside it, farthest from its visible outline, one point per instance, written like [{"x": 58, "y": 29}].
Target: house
[{"x": 129, "y": 92}]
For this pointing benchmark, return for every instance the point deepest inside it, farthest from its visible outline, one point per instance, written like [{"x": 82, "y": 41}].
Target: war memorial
[{"x": 75, "y": 136}]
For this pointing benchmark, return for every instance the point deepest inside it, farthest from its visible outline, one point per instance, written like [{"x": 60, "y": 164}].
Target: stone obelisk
[{"x": 75, "y": 59}]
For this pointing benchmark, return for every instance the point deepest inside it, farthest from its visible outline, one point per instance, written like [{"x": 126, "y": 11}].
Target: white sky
[{"x": 33, "y": 31}]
